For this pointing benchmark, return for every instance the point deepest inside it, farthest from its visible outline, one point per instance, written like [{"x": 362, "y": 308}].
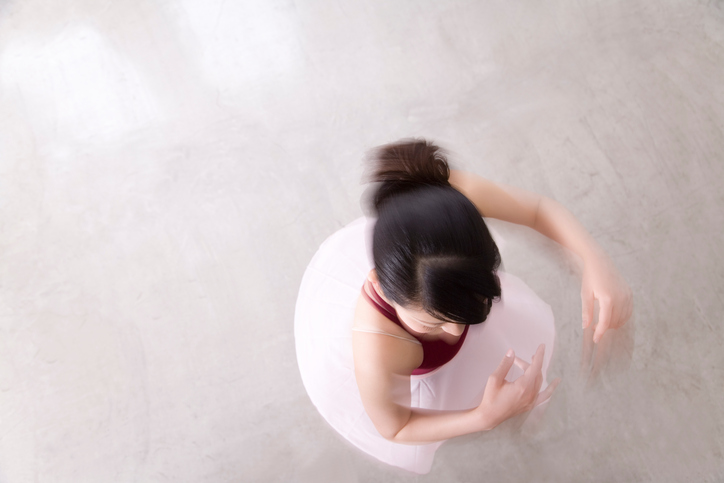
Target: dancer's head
[{"x": 431, "y": 248}]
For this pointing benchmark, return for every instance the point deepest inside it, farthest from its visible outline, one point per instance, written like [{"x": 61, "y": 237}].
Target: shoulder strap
[{"x": 373, "y": 331}]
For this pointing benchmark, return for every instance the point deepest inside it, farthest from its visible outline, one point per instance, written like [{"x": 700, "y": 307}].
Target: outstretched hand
[
  {"x": 603, "y": 282},
  {"x": 611, "y": 355},
  {"x": 503, "y": 400}
]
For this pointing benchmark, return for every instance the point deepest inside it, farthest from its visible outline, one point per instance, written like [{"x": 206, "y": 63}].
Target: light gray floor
[{"x": 168, "y": 168}]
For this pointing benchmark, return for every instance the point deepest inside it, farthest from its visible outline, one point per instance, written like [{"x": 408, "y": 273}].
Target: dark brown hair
[
  {"x": 405, "y": 166},
  {"x": 431, "y": 247}
]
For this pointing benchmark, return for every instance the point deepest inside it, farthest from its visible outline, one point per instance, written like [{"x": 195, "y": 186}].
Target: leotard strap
[{"x": 372, "y": 331}]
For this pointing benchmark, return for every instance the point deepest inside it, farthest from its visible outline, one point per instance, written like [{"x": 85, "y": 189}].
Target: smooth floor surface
[{"x": 168, "y": 169}]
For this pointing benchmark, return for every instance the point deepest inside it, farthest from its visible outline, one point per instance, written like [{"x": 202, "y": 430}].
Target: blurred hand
[
  {"x": 503, "y": 400},
  {"x": 612, "y": 354},
  {"x": 603, "y": 282}
]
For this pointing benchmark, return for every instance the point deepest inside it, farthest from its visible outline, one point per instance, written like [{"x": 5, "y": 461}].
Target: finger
[
  {"x": 603, "y": 354},
  {"x": 534, "y": 370},
  {"x": 621, "y": 315},
  {"x": 604, "y": 320},
  {"x": 539, "y": 367},
  {"x": 613, "y": 318},
  {"x": 499, "y": 374},
  {"x": 538, "y": 382},
  {"x": 587, "y": 349},
  {"x": 546, "y": 393},
  {"x": 587, "y": 305},
  {"x": 521, "y": 363},
  {"x": 619, "y": 312}
]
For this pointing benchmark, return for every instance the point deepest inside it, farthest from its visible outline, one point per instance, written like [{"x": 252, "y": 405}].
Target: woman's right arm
[{"x": 383, "y": 366}]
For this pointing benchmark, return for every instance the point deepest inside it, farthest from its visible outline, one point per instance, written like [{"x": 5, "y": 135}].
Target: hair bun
[{"x": 404, "y": 166}]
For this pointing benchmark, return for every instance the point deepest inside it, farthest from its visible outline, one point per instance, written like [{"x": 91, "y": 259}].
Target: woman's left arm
[{"x": 601, "y": 279}]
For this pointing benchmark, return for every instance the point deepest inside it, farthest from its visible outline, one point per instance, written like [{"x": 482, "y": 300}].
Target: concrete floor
[{"x": 168, "y": 168}]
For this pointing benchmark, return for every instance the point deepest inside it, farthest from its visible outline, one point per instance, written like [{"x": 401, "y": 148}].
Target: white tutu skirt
[{"x": 322, "y": 329}]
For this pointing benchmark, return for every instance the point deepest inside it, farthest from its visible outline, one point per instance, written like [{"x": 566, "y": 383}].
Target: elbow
[
  {"x": 393, "y": 430},
  {"x": 540, "y": 220},
  {"x": 390, "y": 433},
  {"x": 390, "y": 421}
]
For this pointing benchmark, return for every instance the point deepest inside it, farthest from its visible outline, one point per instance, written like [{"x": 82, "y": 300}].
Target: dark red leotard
[{"x": 435, "y": 352}]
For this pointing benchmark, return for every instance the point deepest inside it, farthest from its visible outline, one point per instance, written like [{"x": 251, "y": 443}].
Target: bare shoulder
[{"x": 380, "y": 345}]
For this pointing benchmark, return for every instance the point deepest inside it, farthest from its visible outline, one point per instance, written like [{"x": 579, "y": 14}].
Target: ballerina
[{"x": 408, "y": 334}]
